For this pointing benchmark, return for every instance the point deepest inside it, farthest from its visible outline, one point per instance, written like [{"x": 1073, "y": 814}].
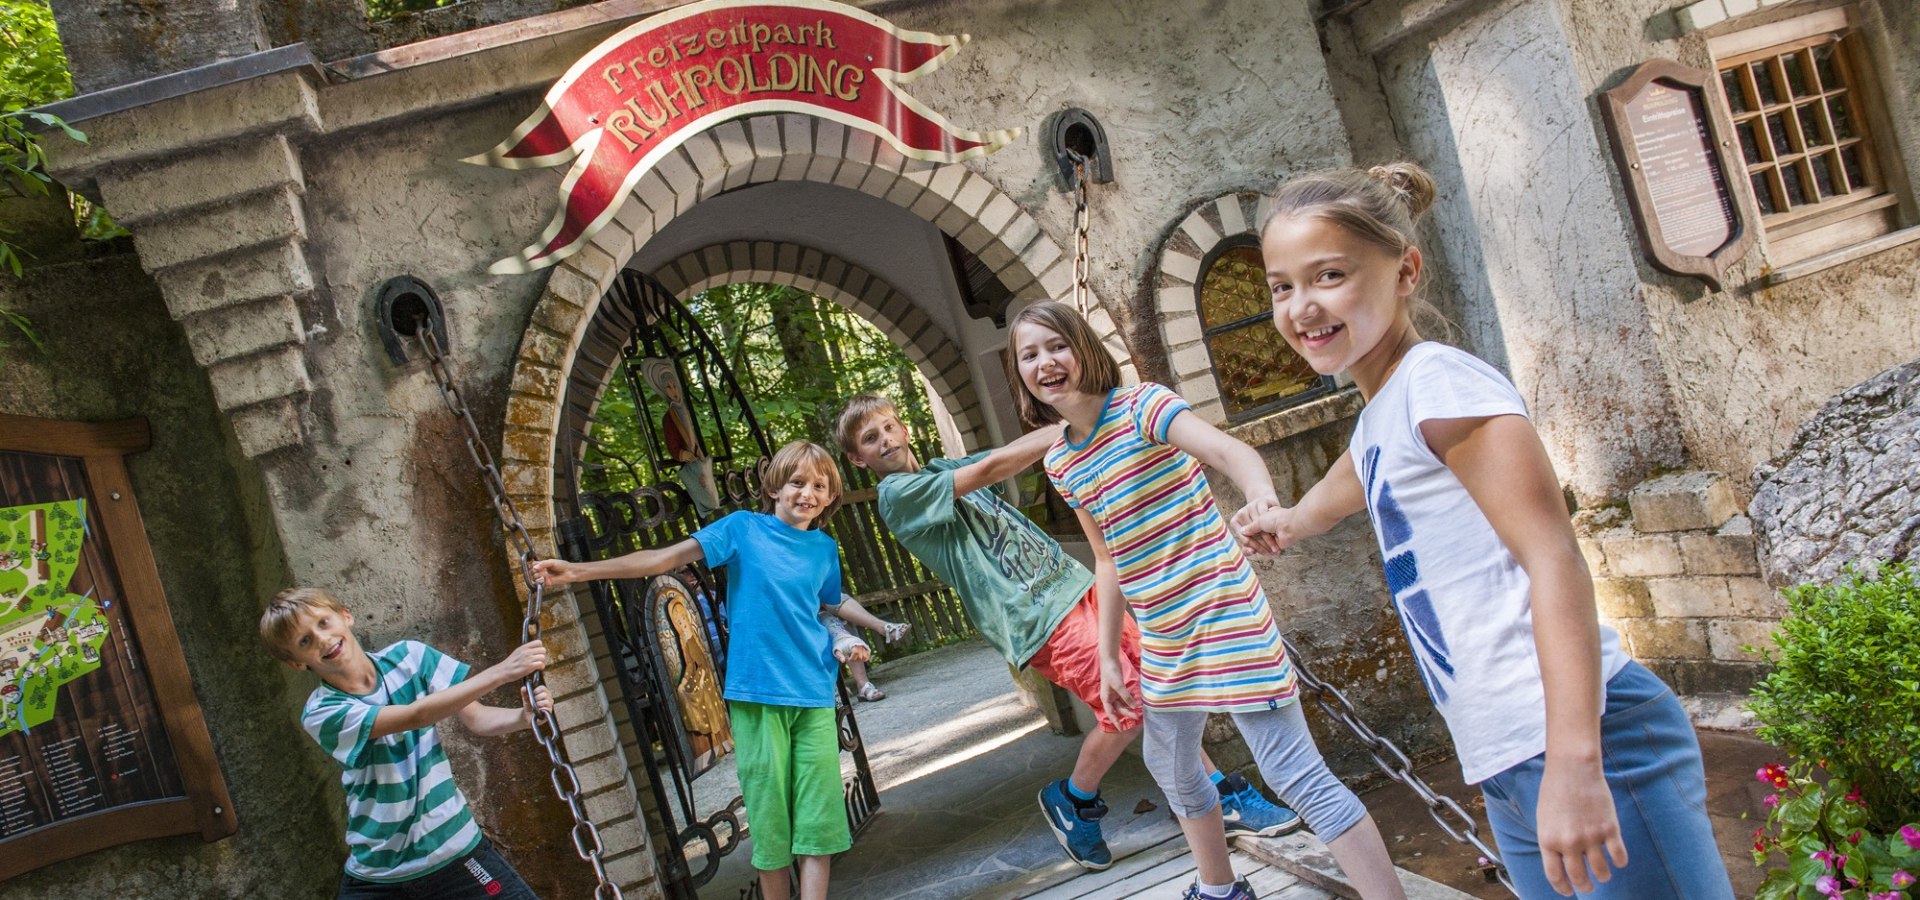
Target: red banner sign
[{"x": 644, "y": 91}]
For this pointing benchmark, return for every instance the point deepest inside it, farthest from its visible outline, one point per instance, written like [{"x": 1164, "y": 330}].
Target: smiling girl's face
[
  {"x": 1046, "y": 363},
  {"x": 1339, "y": 300}
]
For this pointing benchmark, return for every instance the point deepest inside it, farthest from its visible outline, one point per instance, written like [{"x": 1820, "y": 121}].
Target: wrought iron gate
[{"x": 700, "y": 456}]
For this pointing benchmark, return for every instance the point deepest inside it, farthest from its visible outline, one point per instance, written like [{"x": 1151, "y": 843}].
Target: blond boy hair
[
  {"x": 859, "y": 409},
  {"x": 283, "y": 614},
  {"x": 801, "y": 456}
]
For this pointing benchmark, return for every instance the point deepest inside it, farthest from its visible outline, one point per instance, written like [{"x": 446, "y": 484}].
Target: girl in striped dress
[{"x": 1129, "y": 463}]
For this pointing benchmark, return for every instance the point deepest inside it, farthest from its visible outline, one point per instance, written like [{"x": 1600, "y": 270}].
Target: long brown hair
[{"x": 1098, "y": 372}]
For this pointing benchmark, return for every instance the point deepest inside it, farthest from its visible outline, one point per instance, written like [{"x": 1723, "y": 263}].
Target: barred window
[
  {"x": 1801, "y": 107},
  {"x": 1256, "y": 370}
]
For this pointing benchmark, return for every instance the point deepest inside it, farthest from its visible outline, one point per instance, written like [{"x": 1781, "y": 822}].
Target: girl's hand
[
  {"x": 1578, "y": 828},
  {"x": 1267, "y": 531},
  {"x": 1113, "y": 690},
  {"x": 552, "y": 572}
]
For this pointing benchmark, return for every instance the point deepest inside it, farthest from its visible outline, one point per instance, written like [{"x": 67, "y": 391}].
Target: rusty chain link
[
  {"x": 1081, "y": 218},
  {"x": 1396, "y": 765},
  {"x": 546, "y": 729}
]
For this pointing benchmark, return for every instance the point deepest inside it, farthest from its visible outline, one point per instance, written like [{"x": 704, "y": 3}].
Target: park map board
[{"x": 101, "y": 741}]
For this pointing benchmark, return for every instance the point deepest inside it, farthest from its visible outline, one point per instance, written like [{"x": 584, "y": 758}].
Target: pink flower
[
  {"x": 1853, "y": 838},
  {"x": 1834, "y": 861},
  {"x": 1911, "y": 835},
  {"x": 1885, "y": 895},
  {"x": 1773, "y": 774},
  {"x": 1771, "y": 801},
  {"x": 1827, "y": 885},
  {"x": 1901, "y": 880}
]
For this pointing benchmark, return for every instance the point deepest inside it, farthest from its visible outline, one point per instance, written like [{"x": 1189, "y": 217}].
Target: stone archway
[
  {"x": 933, "y": 351},
  {"x": 959, "y": 201}
]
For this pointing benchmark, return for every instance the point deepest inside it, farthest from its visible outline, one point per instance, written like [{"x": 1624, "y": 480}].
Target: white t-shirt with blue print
[{"x": 1460, "y": 595}]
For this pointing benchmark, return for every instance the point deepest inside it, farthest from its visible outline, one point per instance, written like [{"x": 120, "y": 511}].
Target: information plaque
[
  {"x": 101, "y": 739},
  {"x": 1672, "y": 150}
]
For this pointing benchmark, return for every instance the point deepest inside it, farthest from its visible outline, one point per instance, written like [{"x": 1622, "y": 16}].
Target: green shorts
[{"x": 789, "y": 764}]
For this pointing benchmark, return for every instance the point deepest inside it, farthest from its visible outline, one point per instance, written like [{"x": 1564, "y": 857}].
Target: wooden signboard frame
[
  {"x": 1724, "y": 168},
  {"x": 206, "y": 808}
]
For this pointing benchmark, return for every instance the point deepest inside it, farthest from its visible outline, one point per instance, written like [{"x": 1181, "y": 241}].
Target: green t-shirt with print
[{"x": 1015, "y": 581}]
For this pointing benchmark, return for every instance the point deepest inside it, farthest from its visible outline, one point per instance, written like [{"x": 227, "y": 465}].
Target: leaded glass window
[{"x": 1256, "y": 370}]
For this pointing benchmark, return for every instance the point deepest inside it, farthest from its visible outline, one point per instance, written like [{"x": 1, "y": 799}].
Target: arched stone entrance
[{"x": 959, "y": 201}]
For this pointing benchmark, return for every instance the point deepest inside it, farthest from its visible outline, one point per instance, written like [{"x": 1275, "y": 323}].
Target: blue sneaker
[
  {"x": 1247, "y": 812},
  {"x": 1076, "y": 825},
  {"x": 1241, "y": 891}
]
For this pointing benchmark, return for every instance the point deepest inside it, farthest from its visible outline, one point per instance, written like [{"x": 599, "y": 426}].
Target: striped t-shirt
[
  {"x": 405, "y": 817},
  {"x": 1207, "y": 638}
]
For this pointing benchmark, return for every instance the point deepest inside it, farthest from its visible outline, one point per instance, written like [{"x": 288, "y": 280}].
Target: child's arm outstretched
[
  {"x": 1219, "y": 451},
  {"x": 638, "y": 564},
  {"x": 523, "y": 661},
  {"x": 1017, "y": 456},
  {"x": 1503, "y": 466},
  {"x": 1112, "y": 608}
]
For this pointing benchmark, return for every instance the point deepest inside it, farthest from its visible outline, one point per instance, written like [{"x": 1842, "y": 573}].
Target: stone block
[
  {"x": 1707, "y": 676},
  {"x": 1700, "y": 597},
  {"x": 1201, "y": 231},
  {"x": 580, "y": 709},
  {"x": 610, "y": 805},
  {"x": 619, "y": 837},
  {"x": 1727, "y": 636},
  {"x": 201, "y": 286},
  {"x": 271, "y": 216},
  {"x": 266, "y": 427},
  {"x": 1181, "y": 266},
  {"x": 148, "y": 193},
  {"x": 1729, "y": 551},
  {"x": 1754, "y": 598},
  {"x": 238, "y": 331},
  {"x": 1687, "y": 501},
  {"x": 571, "y": 676},
  {"x": 634, "y": 873},
  {"x": 1182, "y": 330},
  {"x": 1595, "y": 557},
  {"x": 1666, "y": 638},
  {"x": 259, "y": 378},
  {"x": 588, "y": 741},
  {"x": 1702, "y": 14},
  {"x": 1634, "y": 555},
  {"x": 1622, "y": 598}
]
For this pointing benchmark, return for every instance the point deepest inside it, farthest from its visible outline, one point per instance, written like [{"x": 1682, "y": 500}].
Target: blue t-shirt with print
[{"x": 778, "y": 577}]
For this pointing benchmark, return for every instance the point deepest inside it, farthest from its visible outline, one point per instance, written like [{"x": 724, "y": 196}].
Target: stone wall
[
  {"x": 1680, "y": 581},
  {"x": 113, "y": 353}
]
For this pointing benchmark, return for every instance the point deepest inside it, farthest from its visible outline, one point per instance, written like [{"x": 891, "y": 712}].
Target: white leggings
[{"x": 1282, "y": 748}]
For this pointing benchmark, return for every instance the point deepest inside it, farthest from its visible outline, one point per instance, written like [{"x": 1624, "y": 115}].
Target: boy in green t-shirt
[
  {"x": 409, "y": 833},
  {"x": 1029, "y": 599}
]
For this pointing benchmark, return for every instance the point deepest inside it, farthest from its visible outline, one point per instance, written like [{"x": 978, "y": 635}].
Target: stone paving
[{"x": 959, "y": 762}]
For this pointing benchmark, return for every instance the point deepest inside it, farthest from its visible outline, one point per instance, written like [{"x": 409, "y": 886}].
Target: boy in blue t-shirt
[
  {"x": 409, "y": 832},
  {"x": 781, "y": 572}
]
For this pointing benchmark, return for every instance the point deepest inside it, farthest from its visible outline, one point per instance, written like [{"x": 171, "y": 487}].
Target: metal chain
[
  {"x": 1396, "y": 765},
  {"x": 1081, "y": 219},
  {"x": 546, "y": 729}
]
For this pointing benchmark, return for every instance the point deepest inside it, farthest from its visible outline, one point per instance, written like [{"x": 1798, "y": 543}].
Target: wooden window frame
[
  {"x": 1323, "y": 385},
  {"x": 1828, "y": 224}
]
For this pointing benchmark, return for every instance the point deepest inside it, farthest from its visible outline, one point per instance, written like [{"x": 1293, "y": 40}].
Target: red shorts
[{"x": 1071, "y": 659}]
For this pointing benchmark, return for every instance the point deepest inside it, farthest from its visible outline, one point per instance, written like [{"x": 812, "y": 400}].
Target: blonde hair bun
[{"x": 1409, "y": 183}]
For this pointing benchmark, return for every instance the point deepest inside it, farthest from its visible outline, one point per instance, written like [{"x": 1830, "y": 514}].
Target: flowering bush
[
  {"x": 1845, "y": 687},
  {"x": 1822, "y": 833}
]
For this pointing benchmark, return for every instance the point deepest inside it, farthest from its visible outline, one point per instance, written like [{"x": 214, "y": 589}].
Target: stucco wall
[
  {"x": 112, "y": 353},
  {"x": 1747, "y": 365}
]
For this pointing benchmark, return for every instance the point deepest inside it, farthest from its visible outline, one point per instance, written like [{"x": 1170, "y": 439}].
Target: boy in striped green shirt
[{"x": 409, "y": 833}]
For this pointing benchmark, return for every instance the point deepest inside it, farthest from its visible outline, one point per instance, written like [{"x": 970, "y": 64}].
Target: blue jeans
[
  {"x": 1652, "y": 764},
  {"x": 480, "y": 875}
]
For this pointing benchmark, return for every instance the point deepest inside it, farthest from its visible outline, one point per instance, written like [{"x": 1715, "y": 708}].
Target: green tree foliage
[
  {"x": 797, "y": 358},
  {"x": 33, "y": 67},
  {"x": 1845, "y": 687}
]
